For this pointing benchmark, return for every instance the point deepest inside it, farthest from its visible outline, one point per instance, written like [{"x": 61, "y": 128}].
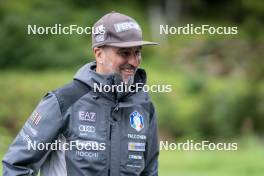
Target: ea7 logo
[{"x": 87, "y": 116}]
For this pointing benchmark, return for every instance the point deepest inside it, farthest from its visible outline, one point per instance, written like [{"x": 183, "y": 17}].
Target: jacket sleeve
[
  {"x": 152, "y": 148},
  {"x": 42, "y": 127}
]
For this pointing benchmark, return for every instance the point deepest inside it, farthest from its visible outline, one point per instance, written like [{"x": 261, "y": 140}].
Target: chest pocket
[
  {"x": 88, "y": 121},
  {"x": 87, "y": 130}
]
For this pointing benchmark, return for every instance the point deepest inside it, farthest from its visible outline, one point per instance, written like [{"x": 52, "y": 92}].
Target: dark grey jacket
[{"x": 118, "y": 130}]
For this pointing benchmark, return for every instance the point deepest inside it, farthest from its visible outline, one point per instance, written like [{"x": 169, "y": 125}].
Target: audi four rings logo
[{"x": 87, "y": 128}]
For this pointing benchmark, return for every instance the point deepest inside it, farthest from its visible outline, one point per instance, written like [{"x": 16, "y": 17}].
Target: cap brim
[{"x": 131, "y": 44}]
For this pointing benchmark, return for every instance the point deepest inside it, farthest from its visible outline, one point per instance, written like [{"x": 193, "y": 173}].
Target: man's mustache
[{"x": 128, "y": 66}]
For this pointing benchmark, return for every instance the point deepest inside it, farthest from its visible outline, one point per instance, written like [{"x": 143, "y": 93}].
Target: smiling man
[
  {"x": 123, "y": 61},
  {"x": 88, "y": 132}
]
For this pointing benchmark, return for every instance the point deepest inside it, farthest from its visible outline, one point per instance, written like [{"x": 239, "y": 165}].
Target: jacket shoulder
[
  {"x": 70, "y": 93},
  {"x": 145, "y": 100}
]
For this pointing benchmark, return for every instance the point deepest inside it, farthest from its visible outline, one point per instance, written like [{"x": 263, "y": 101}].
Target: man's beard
[{"x": 129, "y": 80}]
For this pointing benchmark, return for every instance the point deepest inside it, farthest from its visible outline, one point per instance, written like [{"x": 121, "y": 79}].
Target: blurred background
[{"x": 217, "y": 80}]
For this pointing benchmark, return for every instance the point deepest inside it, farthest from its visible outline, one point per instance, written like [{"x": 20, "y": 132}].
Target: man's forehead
[
  {"x": 121, "y": 49},
  {"x": 130, "y": 48}
]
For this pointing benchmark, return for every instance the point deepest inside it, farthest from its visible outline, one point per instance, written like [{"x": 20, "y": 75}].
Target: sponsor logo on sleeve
[
  {"x": 33, "y": 131},
  {"x": 25, "y": 137},
  {"x": 36, "y": 117}
]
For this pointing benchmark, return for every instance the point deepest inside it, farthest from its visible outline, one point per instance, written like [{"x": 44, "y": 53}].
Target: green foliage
[
  {"x": 22, "y": 92},
  {"x": 215, "y": 91},
  {"x": 42, "y": 51}
]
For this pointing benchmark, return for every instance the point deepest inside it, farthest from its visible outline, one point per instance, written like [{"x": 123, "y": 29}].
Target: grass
[
  {"x": 243, "y": 162},
  {"x": 246, "y": 162}
]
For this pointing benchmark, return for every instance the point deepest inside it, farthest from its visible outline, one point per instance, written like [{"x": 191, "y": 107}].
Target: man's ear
[{"x": 98, "y": 53}]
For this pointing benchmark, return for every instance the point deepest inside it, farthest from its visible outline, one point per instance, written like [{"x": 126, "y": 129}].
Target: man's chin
[{"x": 128, "y": 80}]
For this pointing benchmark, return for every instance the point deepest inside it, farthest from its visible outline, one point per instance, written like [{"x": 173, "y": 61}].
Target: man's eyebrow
[
  {"x": 124, "y": 49},
  {"x": 128, "y": 49}
]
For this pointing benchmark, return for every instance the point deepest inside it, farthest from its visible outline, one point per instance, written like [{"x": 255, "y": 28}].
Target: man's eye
[
  {"x": 138, "y": 53},
  {"x": 125, "y": 53}
]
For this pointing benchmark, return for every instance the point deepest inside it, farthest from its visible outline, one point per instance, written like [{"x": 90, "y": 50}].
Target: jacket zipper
[{"x": 110, "y": 134}]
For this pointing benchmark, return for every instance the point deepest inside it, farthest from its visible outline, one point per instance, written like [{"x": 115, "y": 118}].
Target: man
[{"x": 101, "y": 132}]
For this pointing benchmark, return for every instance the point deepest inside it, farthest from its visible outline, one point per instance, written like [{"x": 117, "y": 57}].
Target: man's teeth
[{"x": 129, "y": 70}]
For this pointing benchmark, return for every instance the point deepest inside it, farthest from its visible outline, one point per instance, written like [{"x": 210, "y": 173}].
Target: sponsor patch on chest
[
  {"x": 136, "y": 146},
  {"x": 87, "y": 116},
  {"x": 136, "y": 121}
]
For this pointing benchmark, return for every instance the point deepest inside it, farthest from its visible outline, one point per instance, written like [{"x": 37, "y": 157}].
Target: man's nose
[{"x": 134, "y": 60}]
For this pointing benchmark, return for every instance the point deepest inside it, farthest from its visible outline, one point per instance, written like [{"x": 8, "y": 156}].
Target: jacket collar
[{"x": 88, "y": 75}]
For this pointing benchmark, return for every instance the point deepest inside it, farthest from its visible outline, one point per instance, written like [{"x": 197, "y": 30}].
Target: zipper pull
[{"x": 116, "y": 107}]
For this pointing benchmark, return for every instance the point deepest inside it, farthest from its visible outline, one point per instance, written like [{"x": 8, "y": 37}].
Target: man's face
[{"x": 123, "y": 61}]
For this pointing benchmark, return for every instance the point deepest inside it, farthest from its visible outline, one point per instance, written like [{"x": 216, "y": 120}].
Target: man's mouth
[{"x": 128, "y": 71}]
